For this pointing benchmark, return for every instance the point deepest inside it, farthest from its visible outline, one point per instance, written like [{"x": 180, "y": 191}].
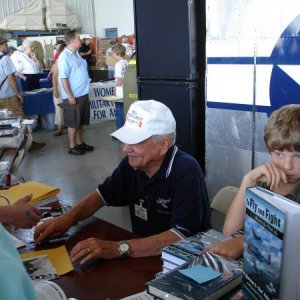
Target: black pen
[{"x": 53, "y": 240}]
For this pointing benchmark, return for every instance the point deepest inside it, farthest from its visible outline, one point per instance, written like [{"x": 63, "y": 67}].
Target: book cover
[
  {"x": 59, "y": 258},
  {"x": 40, "y": 267},
  {"x": 186, "y": 249},
  {"x": 269, "y": 236},
  {"x": 174, "y": 285}
]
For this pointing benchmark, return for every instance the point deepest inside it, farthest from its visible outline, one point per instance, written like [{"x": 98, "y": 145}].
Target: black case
[
  {"x": 188, "y": 107},
  {"x": 170, "y": 39}
]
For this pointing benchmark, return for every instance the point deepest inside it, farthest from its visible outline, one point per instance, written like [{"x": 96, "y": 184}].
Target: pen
[{"x": 55, "y": 239}]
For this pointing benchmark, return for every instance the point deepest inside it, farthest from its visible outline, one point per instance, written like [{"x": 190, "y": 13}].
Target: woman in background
[
  {"x": 26, "y": 63},
  {"x": 59, "y": 122}
]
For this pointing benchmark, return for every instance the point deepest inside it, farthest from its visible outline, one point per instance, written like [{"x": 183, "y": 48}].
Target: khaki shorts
[
  {"x": 12, "y": 104},
  {"x": 77, "y": 115}
]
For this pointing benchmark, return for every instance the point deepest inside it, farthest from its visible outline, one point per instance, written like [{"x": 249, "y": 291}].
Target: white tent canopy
[{"x": 41, "y": 15}]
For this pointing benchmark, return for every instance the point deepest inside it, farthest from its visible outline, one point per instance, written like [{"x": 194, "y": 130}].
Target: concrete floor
[{"x": 77, "y": 176}]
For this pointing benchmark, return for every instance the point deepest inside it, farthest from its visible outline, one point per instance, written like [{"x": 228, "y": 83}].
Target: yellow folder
[
  {"x": 39, "y": 191},
  {"x": 59, "y": 258}
]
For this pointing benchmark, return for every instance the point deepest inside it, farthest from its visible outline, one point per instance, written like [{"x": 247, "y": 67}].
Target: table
[
  {"x": 45, "y": 83},
  {"x": 40, "y": 104},
  {"x": 101, "y": 279}
]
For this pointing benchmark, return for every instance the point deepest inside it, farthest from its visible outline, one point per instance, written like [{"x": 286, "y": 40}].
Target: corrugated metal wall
[
  {"x": 84, "y": 11},
  {"x": 83, "y": 8}
]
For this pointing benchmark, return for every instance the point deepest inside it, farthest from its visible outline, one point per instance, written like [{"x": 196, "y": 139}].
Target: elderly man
[{"x": 163, "y": 186}]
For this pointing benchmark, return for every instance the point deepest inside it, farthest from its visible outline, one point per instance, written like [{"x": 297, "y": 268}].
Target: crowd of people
[
  {"x": 163, "y": 186},
  {"x": 71, "y": 76}
]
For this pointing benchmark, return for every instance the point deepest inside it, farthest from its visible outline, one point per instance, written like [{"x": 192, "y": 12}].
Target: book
[
  {"x": 272, "y": 246},
  {"x": 39, "y": 267},
  {"x": 9, "y": 132},
  {"x": 39, "y": 191},
  {"x": 59, "y": 258},
  {"x": 175, "y": 285},
  {"x": 187, "y": 249},
  {"x": 139, "y": 296}
]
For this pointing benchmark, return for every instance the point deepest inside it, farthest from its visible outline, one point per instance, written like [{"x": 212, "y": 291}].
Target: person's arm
[
  {"x": 67, "y": 88},
  {"x": 232, "y": 248},
  {"x": 119, "y": 81},
  {"x": 85, "y": 53},
  {"x": 93, "y": 248},
  {"x": 20, "y": 214},
  {"x": 236, "y": 213},
  {"x": 13, "y": 83},
  {"x": 55, "y": 80},
  {"x": 57, "y": 226}
]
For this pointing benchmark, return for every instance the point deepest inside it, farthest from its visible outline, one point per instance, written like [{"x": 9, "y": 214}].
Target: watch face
[{"x": 124, "y": 247}]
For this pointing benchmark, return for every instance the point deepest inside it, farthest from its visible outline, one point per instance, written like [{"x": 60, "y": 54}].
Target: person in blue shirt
[
  {"x": 15, "y": 282},
  {"x": 163, "y": 186},
  {"x": 74, "y": 85}
]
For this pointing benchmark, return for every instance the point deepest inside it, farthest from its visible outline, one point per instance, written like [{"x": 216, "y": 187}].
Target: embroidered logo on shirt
[{"x": 163, "y": 202}]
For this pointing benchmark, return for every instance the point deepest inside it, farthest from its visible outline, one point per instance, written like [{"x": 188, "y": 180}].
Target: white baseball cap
[{"x": 145, "y": 119}]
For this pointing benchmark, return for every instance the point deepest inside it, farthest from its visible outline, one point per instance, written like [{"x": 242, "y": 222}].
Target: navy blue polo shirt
[{"x": 175, "y": 198}]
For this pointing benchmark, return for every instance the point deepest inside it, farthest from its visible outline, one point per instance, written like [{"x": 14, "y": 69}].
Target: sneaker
[
  {"x": 85, "y": 147},
  {"x": 76, "y": 151},
  {"x": 36, "y": 146}
]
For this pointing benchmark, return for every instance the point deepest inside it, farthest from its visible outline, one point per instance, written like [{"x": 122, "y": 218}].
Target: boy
[
  {"x": 119, "y": 52},
  {"x": 281, "y": 175}
]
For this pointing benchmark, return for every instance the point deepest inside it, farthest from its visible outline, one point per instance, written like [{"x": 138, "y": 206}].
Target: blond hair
[
  {"x": 282, "y": 130},
  {"x": 119, "y": 50}
]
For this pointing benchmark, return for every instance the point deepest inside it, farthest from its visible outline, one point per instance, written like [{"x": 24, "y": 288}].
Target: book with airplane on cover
[
  {"x": 184, "y": 250},
  {"x": 207, "y": 276},
  {"x": 272, "y": 246}
]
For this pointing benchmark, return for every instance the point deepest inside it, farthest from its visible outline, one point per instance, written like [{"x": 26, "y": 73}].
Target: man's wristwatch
[{"x": 123, "y": 248}]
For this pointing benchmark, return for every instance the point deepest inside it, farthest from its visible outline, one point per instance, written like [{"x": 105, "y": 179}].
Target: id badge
[{"x": 140, "y": 211}]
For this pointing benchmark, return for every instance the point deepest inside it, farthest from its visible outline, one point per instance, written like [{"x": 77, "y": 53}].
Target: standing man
[
  {"x": 75, "y": 84},
  {"x": 86, "y": 53},
  {"x": 10, "y": 97}
]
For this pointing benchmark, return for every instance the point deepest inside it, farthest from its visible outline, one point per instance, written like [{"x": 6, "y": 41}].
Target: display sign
[{"x": 102, "y": 110}]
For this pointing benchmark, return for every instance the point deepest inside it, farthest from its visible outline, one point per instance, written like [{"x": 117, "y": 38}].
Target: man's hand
[
  {"x": 20, "y": 97},
  {"x": 24, "y": 215},
  {"x": 267, "y": 172},
  {"x": 72, "y": 100},
  {"x": 93, "y": 248},
  {"x": 54, "y": 227},
  {"x": 231, "y": 248}
]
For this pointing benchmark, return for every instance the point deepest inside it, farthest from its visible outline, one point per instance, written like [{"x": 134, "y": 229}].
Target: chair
[{"x": 220, "y": 205}]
